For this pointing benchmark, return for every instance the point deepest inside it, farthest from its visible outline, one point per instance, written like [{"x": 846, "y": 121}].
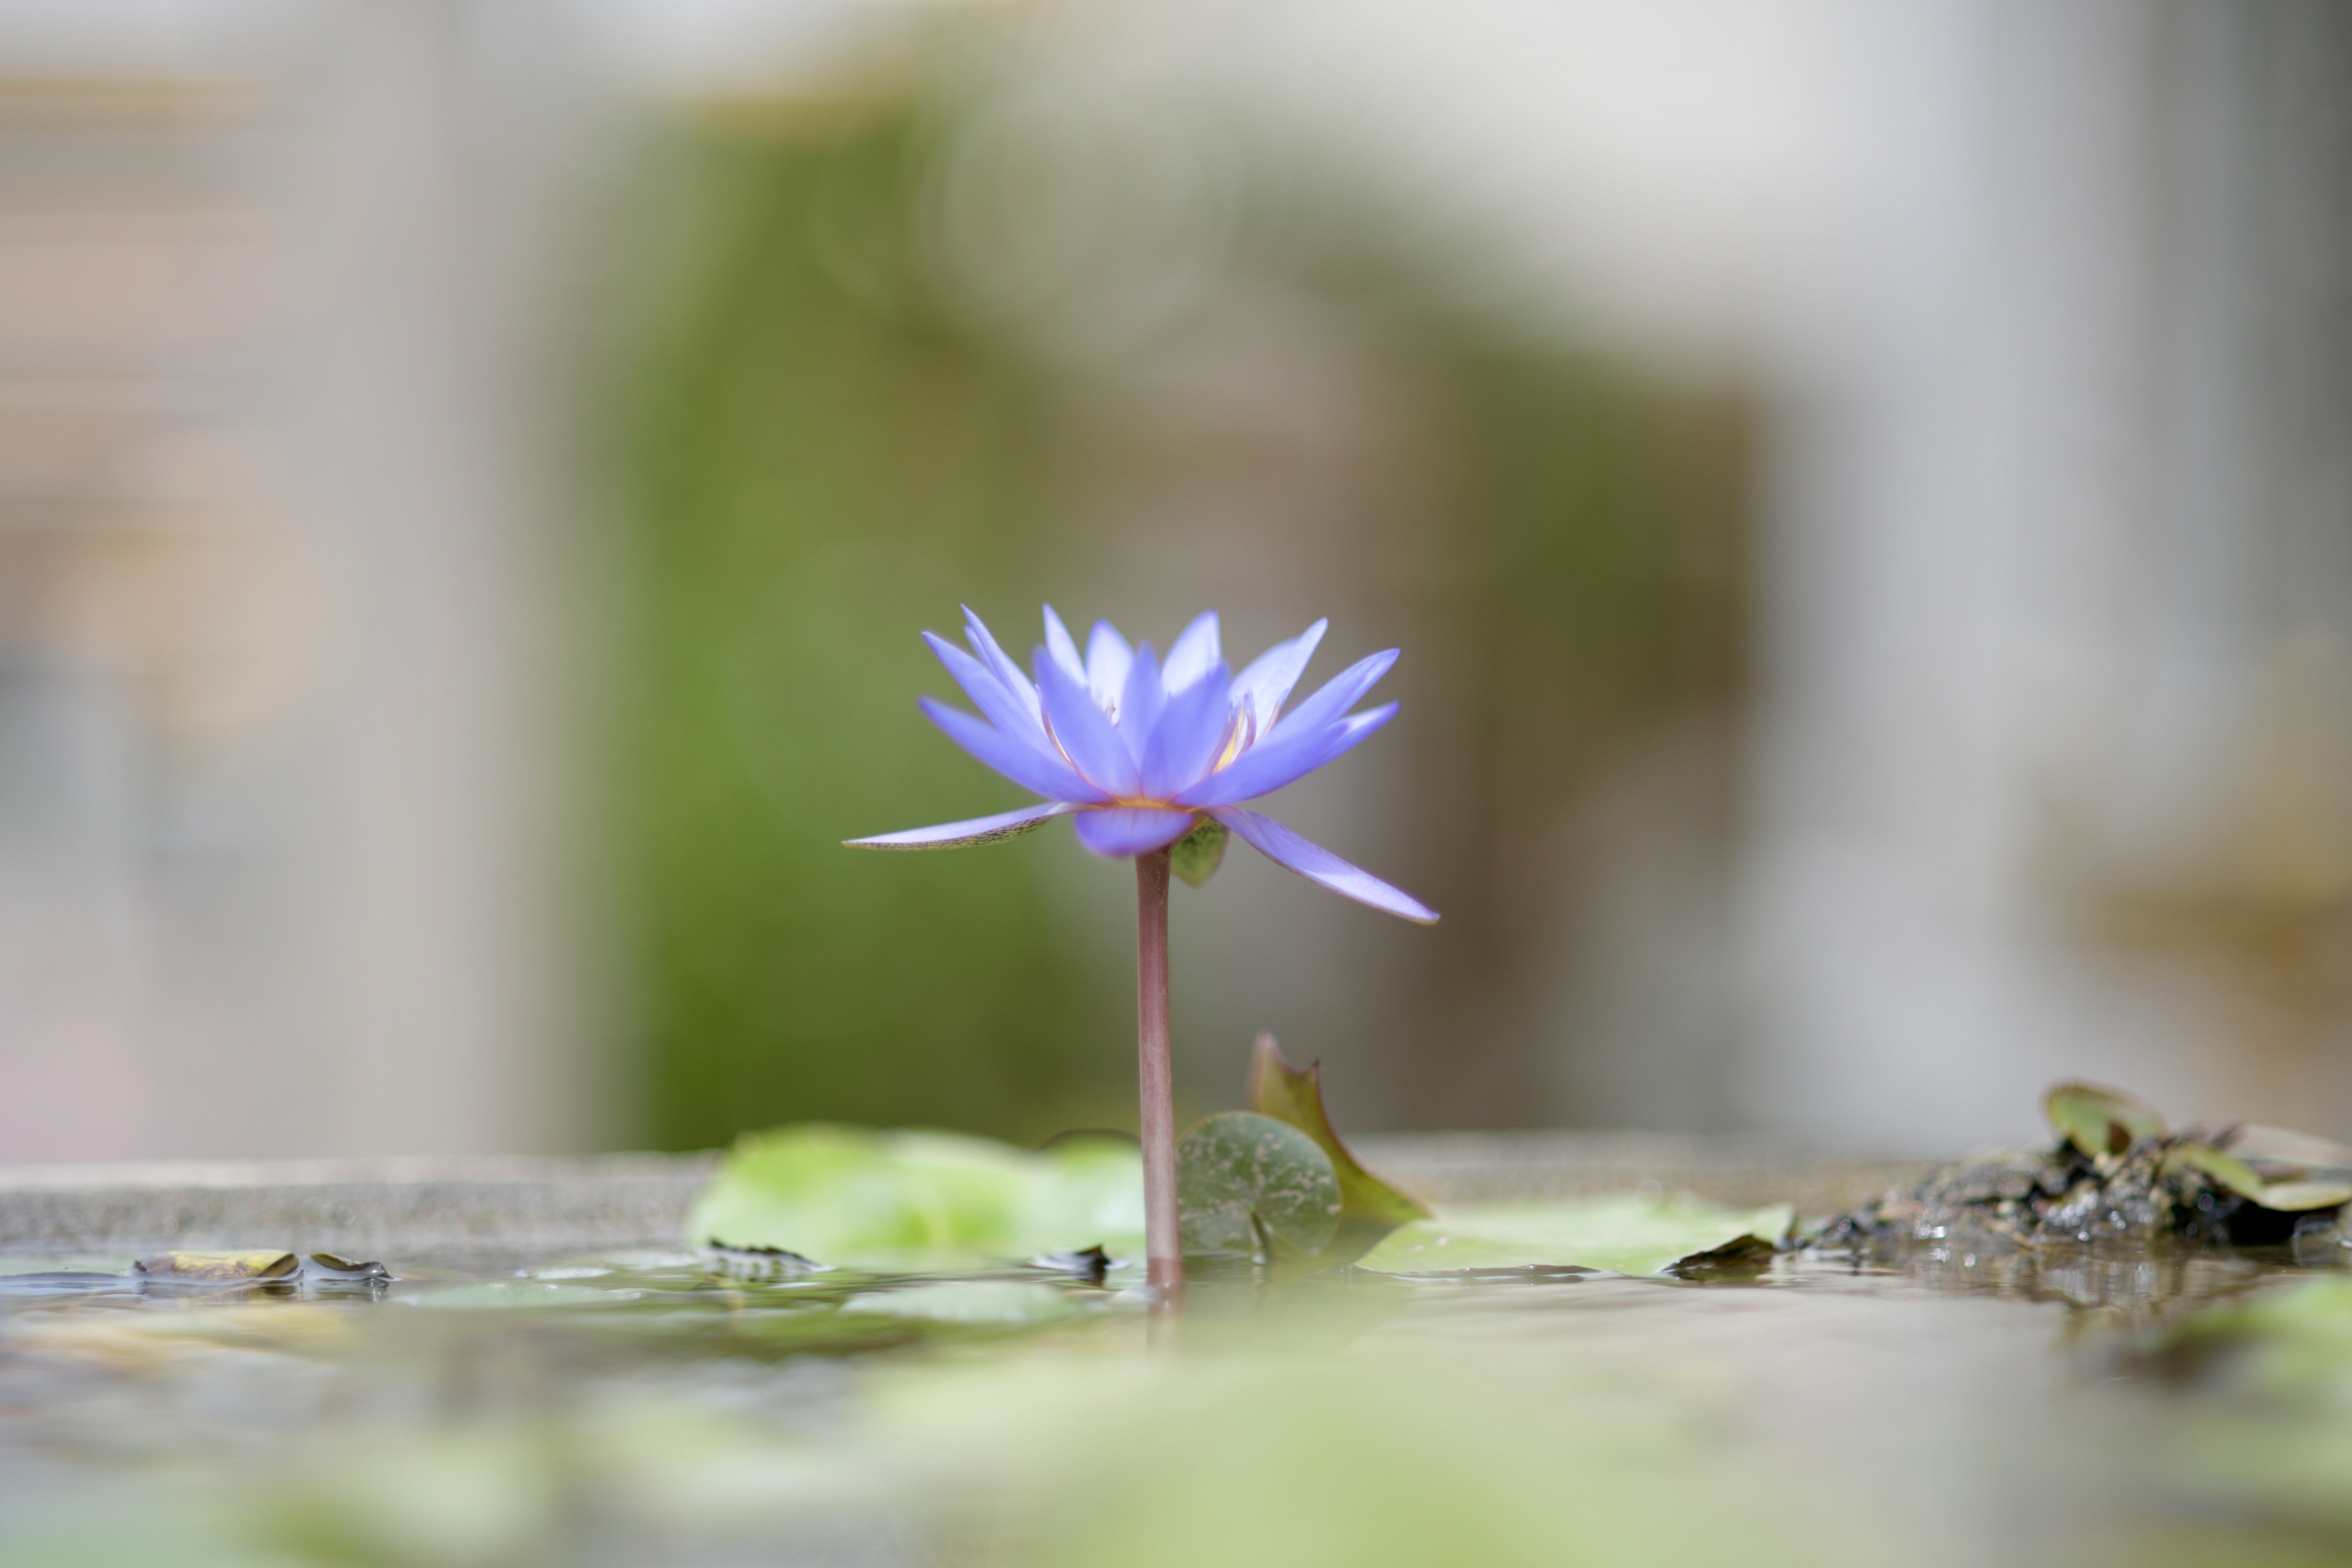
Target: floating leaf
[
  {"x": 854, "y": 1196},
  {"x": 2224, "y": 1169},
  {"x": 1295, "y": 1095},
  {"x": 2100, "y": 1121},
  {"x": 219, "y": 1268},
  {"x": 1624, "y": 1234},
  {"x": 1243, "y": 1181},
  {"x": 1196, "y": 857},
  {"x": 2303, "y": 1197}
]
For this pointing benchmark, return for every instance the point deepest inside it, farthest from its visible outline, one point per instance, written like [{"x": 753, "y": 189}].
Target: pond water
[{"x": 1925, "y": 1406}]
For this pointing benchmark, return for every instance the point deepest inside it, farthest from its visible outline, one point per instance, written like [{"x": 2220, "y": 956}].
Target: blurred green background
[{"x": 825, "y": 435}]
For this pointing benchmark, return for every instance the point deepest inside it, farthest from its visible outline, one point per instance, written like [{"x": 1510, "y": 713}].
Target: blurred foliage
[
  {"x": 815, "y": 451},
  {"x": 814, "y": 464},
  {"x": 924, "y": 1199}
]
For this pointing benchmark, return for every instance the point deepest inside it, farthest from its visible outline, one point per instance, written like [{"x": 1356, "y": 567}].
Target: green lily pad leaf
[
  {"x": 841, "y": 1194},
  {"x": 1196, "y": 857},
  {"x": 2100, "y": 1121},
  {"x": 1626, "y": 1234},
  {"x": 968, "y": 1301},
  {"x": 1243, "y": 1181},
  {"x": 2303, "y": 1197},
  {"x": 1296, "y": 1096},
  {"x": 2224, "y": 1169}
]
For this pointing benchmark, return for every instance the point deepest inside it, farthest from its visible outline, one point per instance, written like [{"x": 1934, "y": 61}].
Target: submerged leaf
[
  {"x": 505, "y": 1295},
  {"x": 968, "y": 1301},
  {"x": 1196, "y": 857},
  {"x": 2293, "y": 1345},
  {"x": 851, "y": 1195},
  {"x": 1295, "y": 1095},
  {"x": 1624, "y": 1234},
  {"x": 1243, "y": 1181},
  {"x": 2100, "y": 1121}
]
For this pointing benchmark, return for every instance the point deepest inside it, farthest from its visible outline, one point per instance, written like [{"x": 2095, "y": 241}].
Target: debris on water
[
  {"x": 1088, "y": 1263},
  {"x": 266, "y": 1265},
  {"x": 1742, "y": 1258},
  {"x": 2115, "y": 1173},
  {"x": 759, "y": 1262}
]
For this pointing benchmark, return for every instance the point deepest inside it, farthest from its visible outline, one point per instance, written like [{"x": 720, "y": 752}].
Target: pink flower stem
[{"x": 1164, "y": 1250}]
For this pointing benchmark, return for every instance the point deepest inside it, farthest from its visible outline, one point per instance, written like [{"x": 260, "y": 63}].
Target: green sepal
[{"x": 1196, "y": 857}]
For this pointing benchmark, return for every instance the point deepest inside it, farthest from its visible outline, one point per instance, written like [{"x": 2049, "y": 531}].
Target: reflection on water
[{"x": 639, "y": 1407}]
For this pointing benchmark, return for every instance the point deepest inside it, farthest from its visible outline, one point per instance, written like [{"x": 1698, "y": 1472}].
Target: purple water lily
[
  {"x": 1138, "y": 753},
  {"x": 1152, "y": 761}
]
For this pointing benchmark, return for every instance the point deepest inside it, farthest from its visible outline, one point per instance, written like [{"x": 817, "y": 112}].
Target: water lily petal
[
  {"x": 1270, "y": 764},
  {"x": 996, "y": 705},
  {"x": 1191, "y": 655},
  {"x": 1001, "y": 663},
  {"x": 1024, "y": 766},
  {"x": 1141, "y": 701},
  {"x": 1131, "y": 829},
  {"x": 1184, "y": 740},
  {"x": 1335, "y": 697},
  {"x": 1085, "y": 732},
  {"x": 1065, "y": 651},
  {"x": 978, "y": 830},
  {"x": 1271, "y": 675},
  {"x": 1317, "y": 863},
  {"x": 1108, "y": 658}
]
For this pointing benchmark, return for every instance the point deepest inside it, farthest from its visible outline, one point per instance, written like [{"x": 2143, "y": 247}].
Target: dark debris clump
[{"x": 2115, "y": 1173}]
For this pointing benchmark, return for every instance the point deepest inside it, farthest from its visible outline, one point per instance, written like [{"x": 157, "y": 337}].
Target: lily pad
[
  {"x": 1624, "y": 1234},
  {"x": 1246, "y": 1182},
  {"x": 2100, "y": 1121},
  {"x": 1196, "y": 857},
  {"x": 841, "y": 1194},
  {"x": 1295, "y": 1095}
]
